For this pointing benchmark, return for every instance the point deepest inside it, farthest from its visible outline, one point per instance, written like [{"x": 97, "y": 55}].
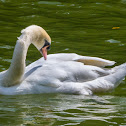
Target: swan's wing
[
  {"x": 51, "y": 58},
  {"x": 101, "y": 84},
  {"x": 70, "y": 71},
  {"x": 108, "y": 82},
  {"x": 63, "y": 56},
  {"x": 95, "y": 61}
]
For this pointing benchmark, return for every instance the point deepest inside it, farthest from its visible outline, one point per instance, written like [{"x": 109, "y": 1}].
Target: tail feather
[
  {"x": 108, "y": 82},
  {"x": 116, "y": 77},
  {"x": 116, "y": 68},
  {"x": 118, "y": 74}
]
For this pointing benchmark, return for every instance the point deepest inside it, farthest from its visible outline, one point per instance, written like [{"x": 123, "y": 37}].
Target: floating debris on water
[{"x": 115, "y": 27}]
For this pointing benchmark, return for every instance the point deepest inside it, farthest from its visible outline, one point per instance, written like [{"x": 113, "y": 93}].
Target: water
[{"x": 83, "y": 27}]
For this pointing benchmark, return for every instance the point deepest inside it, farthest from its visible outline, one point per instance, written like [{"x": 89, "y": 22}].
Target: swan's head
[{"x": 38, "y": 37}]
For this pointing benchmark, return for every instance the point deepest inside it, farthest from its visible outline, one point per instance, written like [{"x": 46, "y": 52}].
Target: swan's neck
[{"x": 15, "y": 72}]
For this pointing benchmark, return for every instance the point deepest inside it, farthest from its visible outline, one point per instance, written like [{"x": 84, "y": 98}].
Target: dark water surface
[{"x": 80, "y": 26}]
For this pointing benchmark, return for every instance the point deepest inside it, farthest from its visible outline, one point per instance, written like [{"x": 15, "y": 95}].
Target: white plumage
[{"x": 60, "y": 73}]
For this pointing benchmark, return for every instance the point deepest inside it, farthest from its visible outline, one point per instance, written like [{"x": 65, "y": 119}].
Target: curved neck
[{"x": 16, "y": 70}]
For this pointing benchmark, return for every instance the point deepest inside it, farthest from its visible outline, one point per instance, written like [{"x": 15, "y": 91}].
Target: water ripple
[
  {"x": 113, "y": 41},
  {"x": 49, "y": 3},
  {"x": 6, "y": 47}
]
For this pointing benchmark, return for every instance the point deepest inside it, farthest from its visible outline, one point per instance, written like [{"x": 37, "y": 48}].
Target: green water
[{"x": 79, "y": 26}]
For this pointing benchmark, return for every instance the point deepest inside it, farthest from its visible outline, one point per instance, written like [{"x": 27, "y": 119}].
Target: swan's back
[{"x": 57, "y": 69}]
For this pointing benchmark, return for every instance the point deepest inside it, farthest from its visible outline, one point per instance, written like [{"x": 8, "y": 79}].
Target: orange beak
[{"x": 43, "y": 51}]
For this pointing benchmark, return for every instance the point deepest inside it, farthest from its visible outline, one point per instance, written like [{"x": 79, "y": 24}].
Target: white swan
[{"x": 60, "y": 73}]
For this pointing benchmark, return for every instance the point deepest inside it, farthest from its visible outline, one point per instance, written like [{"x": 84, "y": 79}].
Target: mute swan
[{"x": 60, "y": 73}]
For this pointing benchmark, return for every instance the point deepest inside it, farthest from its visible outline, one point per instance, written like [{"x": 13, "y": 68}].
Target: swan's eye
[{"x": 47, "y": 44}]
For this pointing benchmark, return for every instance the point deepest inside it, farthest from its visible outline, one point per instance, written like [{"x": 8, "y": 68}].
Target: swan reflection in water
[{"x": 61, "y": 109}]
